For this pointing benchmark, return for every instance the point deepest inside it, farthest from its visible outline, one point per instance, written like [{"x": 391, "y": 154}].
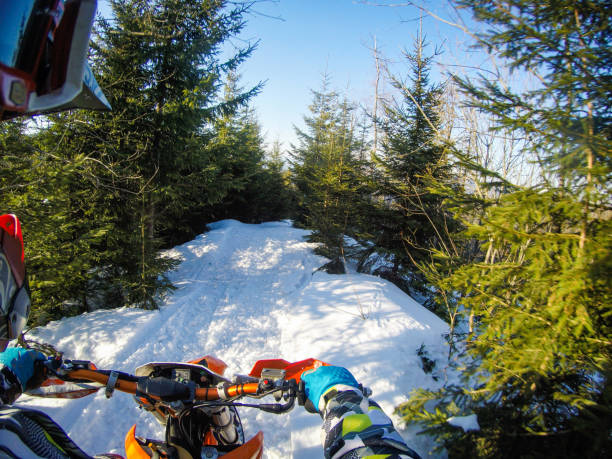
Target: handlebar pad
[{"x": 164, "y": 389}]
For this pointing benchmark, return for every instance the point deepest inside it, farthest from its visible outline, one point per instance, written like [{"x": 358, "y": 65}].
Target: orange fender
[
  {"x": 252, "y": 449},
  {"x": 133, "y": 450}
]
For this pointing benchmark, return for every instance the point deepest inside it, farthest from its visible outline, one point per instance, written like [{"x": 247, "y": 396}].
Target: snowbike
[{"x": 195, "y": 402}]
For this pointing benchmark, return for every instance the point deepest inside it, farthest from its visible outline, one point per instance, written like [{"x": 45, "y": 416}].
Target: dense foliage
[
  {"x": 328, "y": 169},
  {"x": 520, "y": 271},
  {"x": 411, "y": 221},
  {"x": 256, "y": 188},
  {"x": 99, "y": 194},
  {"x": 538, "y": 361}
]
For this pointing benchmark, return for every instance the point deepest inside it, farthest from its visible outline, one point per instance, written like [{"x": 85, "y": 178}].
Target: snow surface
[
  {"x": 249, "y": 292},
  {"x": 465, "y": 422}
]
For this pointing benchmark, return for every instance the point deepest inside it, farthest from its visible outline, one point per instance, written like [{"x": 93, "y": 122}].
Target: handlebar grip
[
  {"x": 165, "y": 389},
  {"x": 229, "y": 391},
  {"x": 242, "y": 389}
]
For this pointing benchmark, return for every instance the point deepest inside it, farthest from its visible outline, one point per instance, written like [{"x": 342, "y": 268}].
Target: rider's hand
[
  {"x": 23, "y": 363},
  {"x": 316, "y": 382}
]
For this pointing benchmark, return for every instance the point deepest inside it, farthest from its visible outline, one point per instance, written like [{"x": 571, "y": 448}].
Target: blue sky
[
  {"x": 300, "y": 40},
  {"x": 317, "y": 36}
]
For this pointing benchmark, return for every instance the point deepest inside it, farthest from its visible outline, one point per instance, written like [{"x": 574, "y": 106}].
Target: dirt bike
[{"x": 195, "y": 402}]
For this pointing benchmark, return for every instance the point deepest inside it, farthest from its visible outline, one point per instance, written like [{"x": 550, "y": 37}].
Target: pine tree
[
  {"x": 159, "y": 61},
  {"x": 100, "y": 193},
  {"x": 540, "y": 351},
  {"x": 327, "y": 172},
  {"x": 411, "y": 221},
  {"x": 54, "y": 197}
]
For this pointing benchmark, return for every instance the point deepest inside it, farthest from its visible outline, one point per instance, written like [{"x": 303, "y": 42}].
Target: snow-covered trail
[
  {"x": 229, "y": 283},
  {"x": 248, "y": 292}
]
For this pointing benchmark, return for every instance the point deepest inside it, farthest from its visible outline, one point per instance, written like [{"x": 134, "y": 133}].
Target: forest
[{"x": 488, "y": 203}]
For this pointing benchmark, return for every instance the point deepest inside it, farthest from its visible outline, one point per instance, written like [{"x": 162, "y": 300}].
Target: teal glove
[
  {"x": 318, "y": 381},
  {"x": 21, "y": 362}
]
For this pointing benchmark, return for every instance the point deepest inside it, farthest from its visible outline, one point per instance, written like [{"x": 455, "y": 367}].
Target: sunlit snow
[{"x": 465, "y": 422}]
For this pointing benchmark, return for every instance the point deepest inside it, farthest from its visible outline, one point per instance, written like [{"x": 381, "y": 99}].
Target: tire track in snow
[{"x": 243, "y": 327}]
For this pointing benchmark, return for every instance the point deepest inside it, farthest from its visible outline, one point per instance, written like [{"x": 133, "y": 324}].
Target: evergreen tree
[
  {"x": 327, "y": 172},
  {"x": 100, "y": 193},
  {"x": 256, "y": 188},
  {"x": 159, "y": 61},
  {"x": 239, "y": 145},
  {"x": 54, "y": 198},
  {"x": 411, "y": 221},
  {"x": 539, "y": 362},
  {"x": 276, "y": 189}
]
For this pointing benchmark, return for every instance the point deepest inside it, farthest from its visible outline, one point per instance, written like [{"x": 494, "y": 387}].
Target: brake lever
[
  {"x": 277, "y": 408},
  {"x": 303, "y": 400}
]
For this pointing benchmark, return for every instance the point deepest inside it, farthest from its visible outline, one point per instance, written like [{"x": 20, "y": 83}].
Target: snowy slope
[{"x": 248, "y": 292}]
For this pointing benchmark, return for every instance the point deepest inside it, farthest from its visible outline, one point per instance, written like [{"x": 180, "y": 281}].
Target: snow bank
[{"x": 247, "y": 292}]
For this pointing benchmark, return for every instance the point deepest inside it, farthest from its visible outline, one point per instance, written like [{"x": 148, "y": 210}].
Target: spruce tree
[
  {"x": 539, "y": 357},
  {"x": 411, "y": 221},
  {"x": 238, "y": 144},
  {"x": 55, "y": 198},
  {"x": 159, "y": 61},
  {"x": 275, "y": 189},
  {"x": 327, "y": 172},
  {"x": 100, "y": 193}
]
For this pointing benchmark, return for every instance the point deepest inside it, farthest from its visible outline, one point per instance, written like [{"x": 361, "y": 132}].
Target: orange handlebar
[
  {"x": 92, "y": 375},
  {"x": 240, "y": 389},
  {"x": 209, "y": 394}
]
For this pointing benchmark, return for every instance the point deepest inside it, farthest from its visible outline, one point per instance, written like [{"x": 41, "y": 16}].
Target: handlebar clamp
[{"x": 110, "y": 385}]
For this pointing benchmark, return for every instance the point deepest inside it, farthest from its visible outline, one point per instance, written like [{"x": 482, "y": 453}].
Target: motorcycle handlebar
[{"x": 130, "y": 384}]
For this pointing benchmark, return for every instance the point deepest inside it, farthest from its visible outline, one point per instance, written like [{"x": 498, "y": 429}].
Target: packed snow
[{"x": 244, "y": 293}]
